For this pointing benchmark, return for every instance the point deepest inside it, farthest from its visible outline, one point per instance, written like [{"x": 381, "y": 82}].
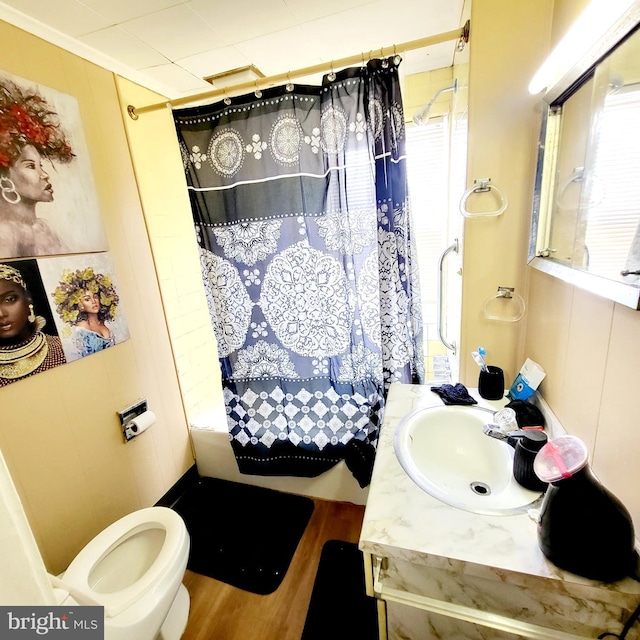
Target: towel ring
[
  {"x": 577, "y": 177},
  {"x": 482, "y": 185},
  {"x": 505, "y": 306}
]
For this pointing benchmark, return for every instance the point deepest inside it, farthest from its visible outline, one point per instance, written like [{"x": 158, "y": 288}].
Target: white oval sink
[{"x": 445, "y": 452}]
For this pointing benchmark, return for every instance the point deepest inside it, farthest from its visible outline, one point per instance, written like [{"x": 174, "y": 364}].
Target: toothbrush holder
[{"x": 491, "y": 383}]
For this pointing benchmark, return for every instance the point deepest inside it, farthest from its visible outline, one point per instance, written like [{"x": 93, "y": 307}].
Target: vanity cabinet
[
  {"x": 440, "y": 572},
  {"x": 474, "y": 602}
]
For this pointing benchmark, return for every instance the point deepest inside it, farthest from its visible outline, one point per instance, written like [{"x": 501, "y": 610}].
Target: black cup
[
  {"x": 491, "y": 383},
  {"x": 526, "y": 451}
]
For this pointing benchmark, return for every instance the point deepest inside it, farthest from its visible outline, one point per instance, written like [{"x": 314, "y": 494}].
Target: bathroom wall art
[
  {"x": 29, "y": 340},
  {"x": 48, "y": 201},
  {"x": 85, "y": 303},
  {"x": 56, "y": 310}
]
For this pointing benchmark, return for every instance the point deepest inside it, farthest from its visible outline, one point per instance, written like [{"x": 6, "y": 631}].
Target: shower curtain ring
[
  {"x": 289, "y": 86},
  {"x": 257, "y": 92},
  {"x": 227, "y": 99},
  {"x": 385, "y": 61}
]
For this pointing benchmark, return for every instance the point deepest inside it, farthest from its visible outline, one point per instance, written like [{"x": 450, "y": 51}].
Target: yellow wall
[
  {"x": 419, "y": 88},
  {"x": 586, "y": 344},
  {"x": 508, "y": 42},
  {"x": 590, "y": 349},
  {"x": 167, "y": 210},
  {"x": 59, "y": 431}
]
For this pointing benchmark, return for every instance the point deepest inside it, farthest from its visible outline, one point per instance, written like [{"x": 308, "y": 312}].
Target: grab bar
[
  {"x": 449, "y": 345},
  {"x": 482, "y": 185}
]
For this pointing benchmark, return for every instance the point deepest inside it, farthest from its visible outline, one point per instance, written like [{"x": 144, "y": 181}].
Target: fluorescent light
[{"x": 592, "y": 24}]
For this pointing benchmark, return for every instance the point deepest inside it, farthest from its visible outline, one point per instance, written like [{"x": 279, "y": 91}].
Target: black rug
[
  {"x": 242, "y": 535},
  {"x": 339, "y": 608}
]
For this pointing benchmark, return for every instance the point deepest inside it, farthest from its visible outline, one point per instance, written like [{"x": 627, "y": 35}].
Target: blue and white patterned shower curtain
[{"x": 301, "y": 211}]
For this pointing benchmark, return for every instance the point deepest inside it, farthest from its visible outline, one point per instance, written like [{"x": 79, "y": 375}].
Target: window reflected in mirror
[{"x": 588, "y": 186}]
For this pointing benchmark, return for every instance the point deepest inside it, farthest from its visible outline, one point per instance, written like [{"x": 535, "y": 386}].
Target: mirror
[{"x": 586, "y": 210}]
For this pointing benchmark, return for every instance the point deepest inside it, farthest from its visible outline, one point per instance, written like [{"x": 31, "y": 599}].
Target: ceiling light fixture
[
  {"x": 250, "y": 73},
  {"x": 592, "y": 24}
]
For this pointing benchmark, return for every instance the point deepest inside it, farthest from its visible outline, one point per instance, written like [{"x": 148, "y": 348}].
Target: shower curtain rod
[{"x": 457, "y": 34}]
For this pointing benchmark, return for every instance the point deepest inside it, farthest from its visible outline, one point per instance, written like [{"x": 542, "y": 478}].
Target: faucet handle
[{"x": 494, "y": 431}]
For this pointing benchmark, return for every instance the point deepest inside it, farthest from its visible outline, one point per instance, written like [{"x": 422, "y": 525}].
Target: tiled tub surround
[{"x": 448, "y": 573}]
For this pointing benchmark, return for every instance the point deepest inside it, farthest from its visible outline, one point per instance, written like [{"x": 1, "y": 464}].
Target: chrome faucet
[{"x": 510, "y": 437}]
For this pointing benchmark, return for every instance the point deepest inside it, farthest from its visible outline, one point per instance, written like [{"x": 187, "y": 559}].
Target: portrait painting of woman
[
  {"x": 48, "y": 204},
  {"x": 25, "y": 348},
  {"x": 86, "y": 302}
]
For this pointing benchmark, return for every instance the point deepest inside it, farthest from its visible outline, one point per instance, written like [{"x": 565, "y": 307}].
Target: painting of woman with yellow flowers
[{"x": 86, "y": 303}]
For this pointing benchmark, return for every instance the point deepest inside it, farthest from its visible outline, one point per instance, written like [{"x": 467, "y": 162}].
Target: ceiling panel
[
  {"x": 117, "y": 43},
  {"x": 176, "y": 32},
  {"x": 67, "y": 16},
  {"x": 170, "y": 45},
  {"x": 118, "y": 11},
  {"x": 174, "y": 76},
  {"x": 229, "y": 19},
  {"x": 288, "y": 50},
  {"x": 305, "y": 11}
]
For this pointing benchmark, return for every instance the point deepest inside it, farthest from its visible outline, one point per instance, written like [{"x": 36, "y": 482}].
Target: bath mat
[
  {"x": 242, "y": 535},
  {"x": 339, "y": 608}
]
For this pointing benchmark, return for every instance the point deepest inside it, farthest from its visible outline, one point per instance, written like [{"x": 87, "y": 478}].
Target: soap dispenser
[{"x": 583, "y": 527}]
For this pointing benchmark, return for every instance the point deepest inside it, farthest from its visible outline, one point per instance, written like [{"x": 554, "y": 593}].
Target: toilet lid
[{"x": 77, "y": 575}]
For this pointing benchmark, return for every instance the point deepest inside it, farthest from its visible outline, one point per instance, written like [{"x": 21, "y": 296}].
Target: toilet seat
[{"x": 176, "y": 537}]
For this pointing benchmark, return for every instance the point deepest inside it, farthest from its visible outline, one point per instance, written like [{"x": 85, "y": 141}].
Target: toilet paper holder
[{"x": 128, "y": 415}]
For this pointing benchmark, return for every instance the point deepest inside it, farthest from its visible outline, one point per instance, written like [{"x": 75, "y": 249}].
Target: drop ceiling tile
[
  {"x": 356, "y": 31},
  {"x": 176, "y": 32},
  {"x": 437, "y": 56},
  {"x": 215, "y": 61},
  {"x": 122, "y": 46},
  {"x": 280, "y": 52},
  {"x": 305, "y": 11},
  {"x": 211, "y": 36},
  {"x": 67, "y": 16},
  {"x": 178, "y": 78},
  {"x": 244, "y": 19},
  {"x": 437, "y": 16},
  {"x": 117, "y": 11}
]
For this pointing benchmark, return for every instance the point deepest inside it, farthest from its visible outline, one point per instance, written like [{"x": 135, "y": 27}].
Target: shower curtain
[{"x": 301, "y": 212}]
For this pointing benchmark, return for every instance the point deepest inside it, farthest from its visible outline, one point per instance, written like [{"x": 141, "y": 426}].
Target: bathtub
[{"x": 215, "y": 459}]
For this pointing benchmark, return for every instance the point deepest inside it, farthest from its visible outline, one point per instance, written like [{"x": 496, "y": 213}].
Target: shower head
[{"x": 422, "y": 117}]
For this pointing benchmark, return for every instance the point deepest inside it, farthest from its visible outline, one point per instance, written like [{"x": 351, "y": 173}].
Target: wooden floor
[{"x": 222, "y": 612}]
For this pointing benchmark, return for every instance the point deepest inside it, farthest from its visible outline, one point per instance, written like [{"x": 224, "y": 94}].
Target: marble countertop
[{"x": 402, "y": 521}]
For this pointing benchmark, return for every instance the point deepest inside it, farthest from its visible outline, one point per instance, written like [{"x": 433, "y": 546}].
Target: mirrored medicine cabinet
[{"x": 585, "y": 226}]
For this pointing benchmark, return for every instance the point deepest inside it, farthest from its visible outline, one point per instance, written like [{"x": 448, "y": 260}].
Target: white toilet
[{"x": 134, "y": 568}]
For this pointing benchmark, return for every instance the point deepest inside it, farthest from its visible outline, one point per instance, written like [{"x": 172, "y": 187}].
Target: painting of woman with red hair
[{"x": 35, "y": 146}]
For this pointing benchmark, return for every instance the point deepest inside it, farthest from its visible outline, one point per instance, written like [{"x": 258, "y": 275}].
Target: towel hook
[{"x": 482, "y": 185}]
